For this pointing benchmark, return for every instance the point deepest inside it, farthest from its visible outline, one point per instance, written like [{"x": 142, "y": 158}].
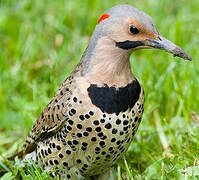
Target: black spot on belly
[{"x": 112, "y": 100}]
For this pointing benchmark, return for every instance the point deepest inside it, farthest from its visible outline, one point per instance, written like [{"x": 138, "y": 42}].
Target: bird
[{"x": 92, "y": 119}]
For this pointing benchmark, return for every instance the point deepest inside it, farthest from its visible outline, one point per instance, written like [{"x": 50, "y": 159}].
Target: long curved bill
[{"x": 168, "y": 46}]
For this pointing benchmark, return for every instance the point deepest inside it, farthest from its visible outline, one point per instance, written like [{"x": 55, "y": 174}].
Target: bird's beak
[{"x": 168, "y": 46}]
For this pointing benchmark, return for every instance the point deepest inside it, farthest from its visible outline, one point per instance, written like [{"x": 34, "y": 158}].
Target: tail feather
[{"x": 19, "y": 154}]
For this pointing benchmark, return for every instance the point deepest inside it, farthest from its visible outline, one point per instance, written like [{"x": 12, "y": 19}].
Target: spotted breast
[{"x": 97, "y": 130}]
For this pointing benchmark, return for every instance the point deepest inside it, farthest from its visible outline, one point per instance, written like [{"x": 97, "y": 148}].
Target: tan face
[
  {"x": 143, "y": 33},
  {"x": 122, "y": 32},
  {"x": 131, "y": 35}
]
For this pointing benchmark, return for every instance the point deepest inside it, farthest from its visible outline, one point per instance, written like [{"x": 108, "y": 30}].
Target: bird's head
[
  {"x": 123, "y": 29},
  {"x": 132, "y": 29}
]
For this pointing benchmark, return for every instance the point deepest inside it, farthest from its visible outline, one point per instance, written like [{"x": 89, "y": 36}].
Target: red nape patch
[{"x": 103, "y": 17}]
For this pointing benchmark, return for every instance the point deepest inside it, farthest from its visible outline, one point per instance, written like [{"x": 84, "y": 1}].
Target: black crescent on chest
[{"x": 115, "y": 100}]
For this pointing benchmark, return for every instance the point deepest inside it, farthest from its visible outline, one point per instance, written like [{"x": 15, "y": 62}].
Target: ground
[{"x": 42, "y": 41}]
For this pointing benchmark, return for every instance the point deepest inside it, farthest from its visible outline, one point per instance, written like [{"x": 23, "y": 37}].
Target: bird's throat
[
  {"x": 112, "y": 71},
  {"x": 109, "y": 65}
]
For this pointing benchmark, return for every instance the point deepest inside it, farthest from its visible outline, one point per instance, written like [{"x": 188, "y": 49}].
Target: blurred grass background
[{"x": 42, "y": 41}]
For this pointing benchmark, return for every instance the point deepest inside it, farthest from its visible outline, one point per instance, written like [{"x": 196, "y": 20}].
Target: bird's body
[
  {"x": 91, "y": 121},
  {"x": 96, "y": 126},
  {"x": 91, "y": 139}
]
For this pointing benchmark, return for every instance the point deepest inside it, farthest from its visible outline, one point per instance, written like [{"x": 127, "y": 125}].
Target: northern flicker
[{"x": 91, "y": 121}]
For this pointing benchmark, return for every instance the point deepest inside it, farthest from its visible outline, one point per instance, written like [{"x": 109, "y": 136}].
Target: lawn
[{"x": 42, "y": 41}]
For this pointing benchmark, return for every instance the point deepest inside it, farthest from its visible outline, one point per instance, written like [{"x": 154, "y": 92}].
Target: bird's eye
[{"x": 134, "y": 30}]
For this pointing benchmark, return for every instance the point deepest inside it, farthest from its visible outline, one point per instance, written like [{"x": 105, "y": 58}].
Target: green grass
[{"x": 42, "y": 41}]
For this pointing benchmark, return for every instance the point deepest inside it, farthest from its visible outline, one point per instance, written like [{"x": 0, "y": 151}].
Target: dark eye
[{"x": 134, "y": 30}]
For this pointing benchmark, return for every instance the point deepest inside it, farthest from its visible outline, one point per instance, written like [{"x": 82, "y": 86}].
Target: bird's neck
[{"x": 107, "y": 64}]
